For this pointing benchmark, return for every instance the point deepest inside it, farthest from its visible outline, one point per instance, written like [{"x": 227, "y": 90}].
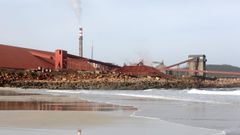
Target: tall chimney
[
  {"x": 81, "y": 42},
  {"x": 92, "y": 51}
]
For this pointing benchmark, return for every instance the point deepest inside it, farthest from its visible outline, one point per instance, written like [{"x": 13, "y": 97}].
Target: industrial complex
[
  {"x": 30, "y": 59},
  {"x": 30, "y": 68},
  {"x": 23, "y": 58},
  {"x": 18, "y": 58}
]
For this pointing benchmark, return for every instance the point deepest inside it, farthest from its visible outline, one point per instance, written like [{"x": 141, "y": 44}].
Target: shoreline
[{"x": 91, "y": 122}]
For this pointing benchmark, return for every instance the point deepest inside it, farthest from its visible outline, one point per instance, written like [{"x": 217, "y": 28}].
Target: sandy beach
[{"x": 95, "y": 122}]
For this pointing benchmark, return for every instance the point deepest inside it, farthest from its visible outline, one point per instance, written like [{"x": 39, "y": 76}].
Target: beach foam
[
  {"x": 149, "y": 94},
  {"x": 220, "y": 93}
]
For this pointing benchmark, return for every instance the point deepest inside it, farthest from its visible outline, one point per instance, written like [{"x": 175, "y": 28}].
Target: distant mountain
[{"x": 226, "y": 68}]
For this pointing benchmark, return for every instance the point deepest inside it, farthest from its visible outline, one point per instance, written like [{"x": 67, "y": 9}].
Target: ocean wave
[
  {"x": 220, "y": 93},
  {"x": 168, "y": 98},
  {"x": 152, "y": 96},
  {"x": 233, "y": 131},
  {"x": 78, "y": 92},
  {"x": 143, "y": 117},
  {"x": 149, "y": 90}
]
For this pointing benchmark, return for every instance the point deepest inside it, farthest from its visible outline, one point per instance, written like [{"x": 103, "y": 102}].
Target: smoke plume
[{"x": 77, "y": 8}]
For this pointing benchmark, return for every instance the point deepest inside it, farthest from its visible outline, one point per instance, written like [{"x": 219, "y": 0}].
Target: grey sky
[{"x": 128, "y": 30}]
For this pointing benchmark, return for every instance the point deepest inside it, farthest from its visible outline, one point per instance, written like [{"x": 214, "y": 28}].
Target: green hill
[{"x": 225, "y": 68}]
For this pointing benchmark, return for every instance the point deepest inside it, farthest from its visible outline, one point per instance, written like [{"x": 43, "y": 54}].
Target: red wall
[{"x": 60, "y": 59}]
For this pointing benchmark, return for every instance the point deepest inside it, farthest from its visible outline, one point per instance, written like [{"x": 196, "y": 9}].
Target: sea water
[{"x": 207, "y": 108}]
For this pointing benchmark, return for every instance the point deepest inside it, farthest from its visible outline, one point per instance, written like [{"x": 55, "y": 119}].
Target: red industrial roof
[
  {"x": 141, "y": 70},
  {"x": 94, "y": 61},
  {"x": 78, "y": 64},
  {"x": 22, "y": 58}
]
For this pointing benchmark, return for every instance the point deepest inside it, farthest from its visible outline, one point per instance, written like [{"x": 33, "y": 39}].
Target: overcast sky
[{"x": 127, "y": 30}]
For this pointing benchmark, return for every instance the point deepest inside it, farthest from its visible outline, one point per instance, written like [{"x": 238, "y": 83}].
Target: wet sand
[
  {"x": 115, "y": 121},
  {"x": 92, "y": 123},
  {"x": 55, "y": 120},
  {"x": 13, "y": 100}
]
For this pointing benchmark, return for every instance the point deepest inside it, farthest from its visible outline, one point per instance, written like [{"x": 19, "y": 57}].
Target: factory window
[{"x": 60, "y": 52}]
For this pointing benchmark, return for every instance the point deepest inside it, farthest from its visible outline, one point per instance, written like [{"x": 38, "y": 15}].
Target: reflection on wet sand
[
  {"x": 13, "y": 93},
  {"x": 62, "y": 106},
  {"x": 29, "y": 101}
]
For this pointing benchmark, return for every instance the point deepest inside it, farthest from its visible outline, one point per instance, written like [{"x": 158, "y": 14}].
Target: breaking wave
[
  {"x": 146, "y": 94},
  {"x": 220, "y": 93}
]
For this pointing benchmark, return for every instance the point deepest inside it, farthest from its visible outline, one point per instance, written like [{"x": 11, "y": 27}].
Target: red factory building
[{"x": 23, "y": 58}]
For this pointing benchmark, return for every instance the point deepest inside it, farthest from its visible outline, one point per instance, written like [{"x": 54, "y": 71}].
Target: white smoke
[{"x": 77, "y": 8}]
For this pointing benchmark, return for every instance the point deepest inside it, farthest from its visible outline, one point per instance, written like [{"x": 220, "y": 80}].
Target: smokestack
[
  {"x": 81, "y": 42},
  {"x": 92, "y": 53}
]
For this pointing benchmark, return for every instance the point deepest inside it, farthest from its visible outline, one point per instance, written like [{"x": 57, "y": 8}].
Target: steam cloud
[{"x": 77, "y": 8}]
